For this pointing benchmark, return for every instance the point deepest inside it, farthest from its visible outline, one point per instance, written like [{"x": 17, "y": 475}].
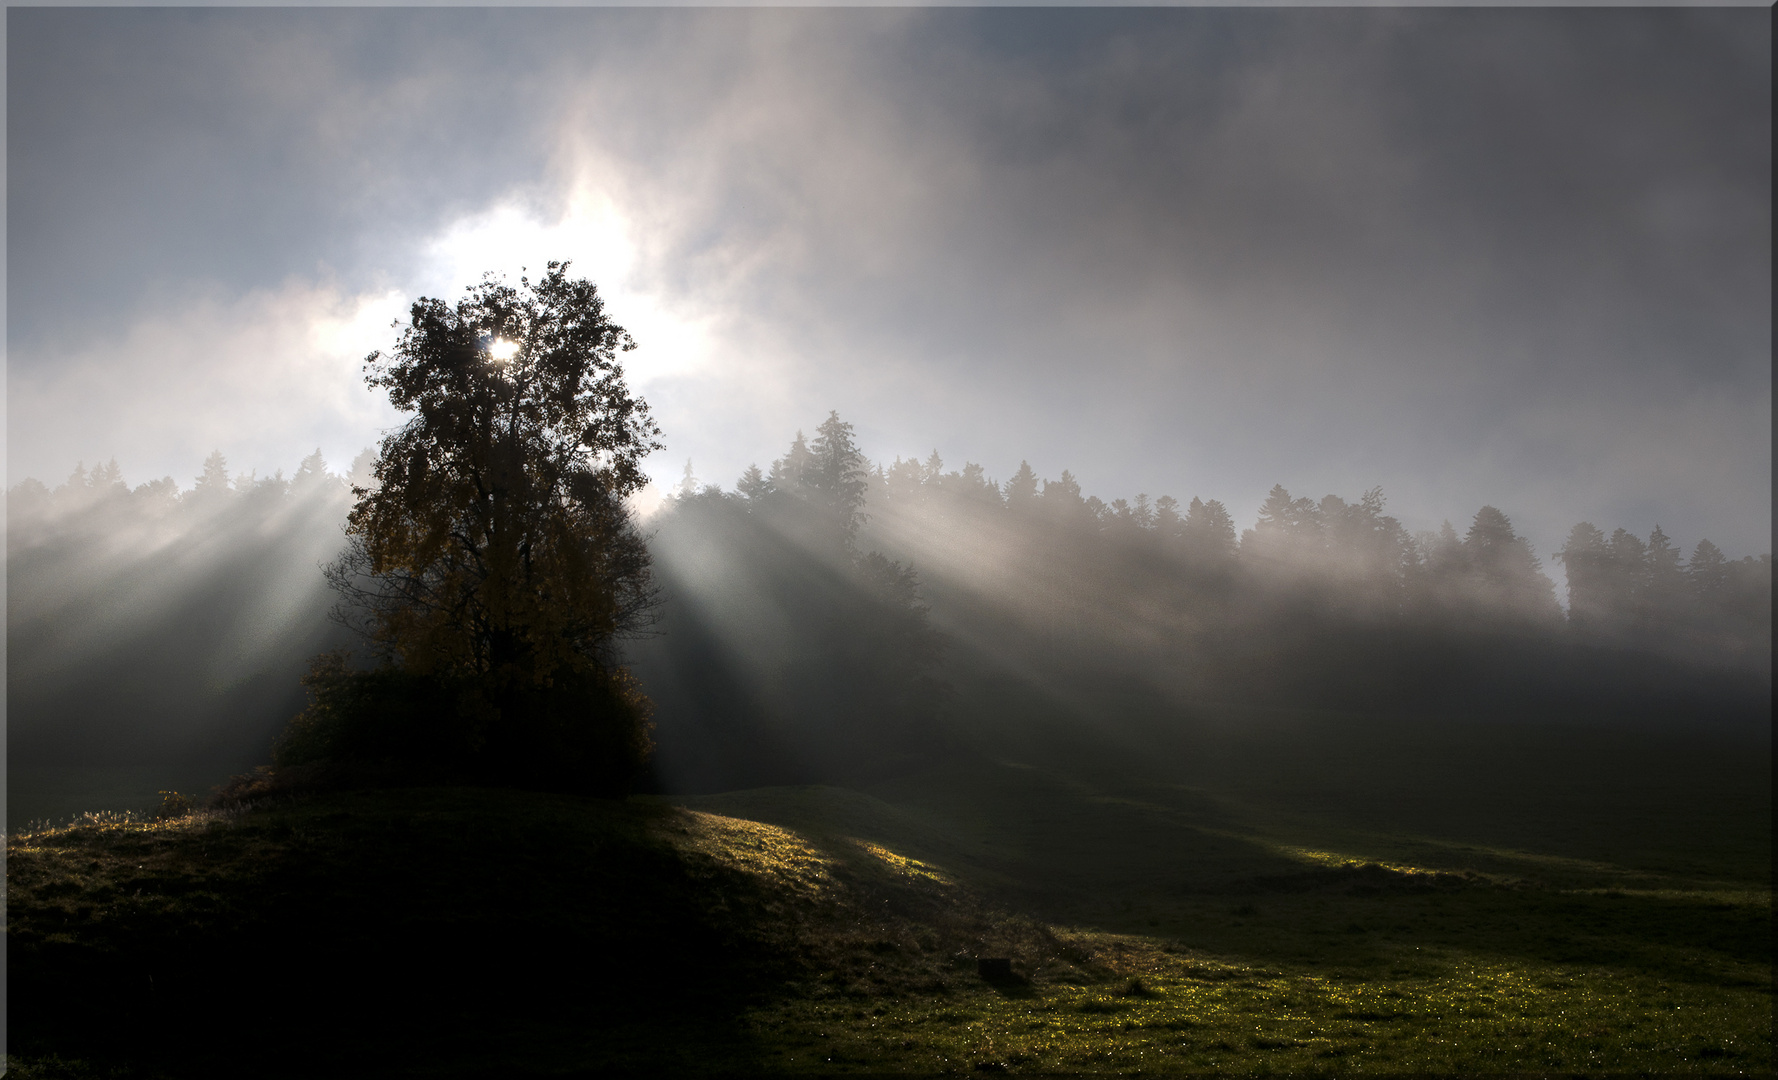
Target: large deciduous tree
[{"x": 494, "y": 548}]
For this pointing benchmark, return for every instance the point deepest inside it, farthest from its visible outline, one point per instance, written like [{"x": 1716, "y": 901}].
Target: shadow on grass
[
  {"x": 411, "y": 932},
  {"x": 1173, "y": 862},
  {"x": 467, "y": 932}
]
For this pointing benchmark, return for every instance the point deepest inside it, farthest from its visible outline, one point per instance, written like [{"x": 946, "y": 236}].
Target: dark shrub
[
  {"x": 585, "y": 732},
  {"x": 173, "y": 805}
]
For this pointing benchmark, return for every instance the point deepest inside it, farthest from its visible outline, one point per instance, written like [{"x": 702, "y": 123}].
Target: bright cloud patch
[
  {"x": 265, "y": 378},
  {"x": 509, "y": 239}
]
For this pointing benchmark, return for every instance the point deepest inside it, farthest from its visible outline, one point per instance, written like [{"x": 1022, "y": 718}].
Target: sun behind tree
[{"x": 493, "y": 565}]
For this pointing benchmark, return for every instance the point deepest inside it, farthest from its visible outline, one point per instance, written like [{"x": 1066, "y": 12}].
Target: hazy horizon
[{"x": 1507, "y": 257}]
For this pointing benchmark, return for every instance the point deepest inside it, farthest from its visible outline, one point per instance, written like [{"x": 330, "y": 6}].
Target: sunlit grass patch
[
  {"x": 1626, "y": 835},
  {"x": 1336, "y": 860},
  {"x": 904, "y": 865},
  {"x": 1481, "y": 863},
  {"x": 1724, "y": 898},
  {"x": 766, "y": 851},
  {"x": 94, "y": 854},
  {"x": 39, "y": 834}
]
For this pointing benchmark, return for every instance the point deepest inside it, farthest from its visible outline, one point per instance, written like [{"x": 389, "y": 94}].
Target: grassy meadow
[{"x": 1253, "y": 893}]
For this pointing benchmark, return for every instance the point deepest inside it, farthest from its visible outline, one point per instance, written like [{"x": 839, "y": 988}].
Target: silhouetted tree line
[
  {"x": 777, "y": 649},
  {"x": 1629, "y": 591}
]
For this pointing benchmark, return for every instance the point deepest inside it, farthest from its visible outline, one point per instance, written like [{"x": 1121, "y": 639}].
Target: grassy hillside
[
  {"x": 1479, "y": 899},
  {"x": 452, "y": 932},
  {"x": 1263, "y": 896}
]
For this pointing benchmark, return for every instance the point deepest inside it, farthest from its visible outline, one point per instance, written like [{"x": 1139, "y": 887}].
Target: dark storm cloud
[{"x": 1518, "y": 257}]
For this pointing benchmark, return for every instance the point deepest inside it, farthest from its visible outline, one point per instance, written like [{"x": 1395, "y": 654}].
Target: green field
[{"x": 1247, "y": 893}]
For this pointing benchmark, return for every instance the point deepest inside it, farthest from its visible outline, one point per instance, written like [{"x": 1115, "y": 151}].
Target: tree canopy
[{"x": 495, "y": 540}]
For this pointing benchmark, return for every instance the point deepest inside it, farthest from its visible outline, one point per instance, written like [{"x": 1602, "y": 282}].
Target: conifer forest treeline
[{"x": 831, "y": 618}]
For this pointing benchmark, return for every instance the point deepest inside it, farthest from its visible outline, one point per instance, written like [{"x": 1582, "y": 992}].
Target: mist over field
[
  {"x": 833, "y": 619},
  {"x": 160, "y": 633}
]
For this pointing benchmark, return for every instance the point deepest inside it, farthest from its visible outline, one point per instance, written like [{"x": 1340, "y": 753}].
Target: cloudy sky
[{"x": 1515, "y": 257}]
